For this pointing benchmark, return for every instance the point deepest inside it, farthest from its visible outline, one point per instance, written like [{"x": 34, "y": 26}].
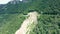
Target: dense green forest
[{"x": 11, "y": 16}]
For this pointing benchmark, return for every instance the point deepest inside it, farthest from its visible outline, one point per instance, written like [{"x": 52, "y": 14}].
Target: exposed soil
[{"x": 26, "y": 25}]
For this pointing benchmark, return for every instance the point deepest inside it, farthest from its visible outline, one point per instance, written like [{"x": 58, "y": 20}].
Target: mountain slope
[
  {"x": 13, "y": 22},
  {"x": 47, "y": 24},
  {"x": 11, "y": 16},
  {"x": 28, "y": 24}
]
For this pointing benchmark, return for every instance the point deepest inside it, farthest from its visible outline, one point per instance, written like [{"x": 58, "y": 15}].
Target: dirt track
[{"x": 28, "y": 24}]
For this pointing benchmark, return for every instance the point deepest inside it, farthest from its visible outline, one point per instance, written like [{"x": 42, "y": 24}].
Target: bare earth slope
[{"x": 28, "y": 24}]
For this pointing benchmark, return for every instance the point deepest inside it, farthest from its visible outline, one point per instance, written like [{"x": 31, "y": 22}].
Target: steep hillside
[
  {"x": 12, "y": 15},
  {"x": 45, "y": 6},
  {"x": 28, "y": 24},
  {"x": 47, "y": 24},
  {"x": 11, "y": 23}
]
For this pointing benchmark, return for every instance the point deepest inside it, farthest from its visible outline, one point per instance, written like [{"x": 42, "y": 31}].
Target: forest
[{"x": 11, "y": 16}]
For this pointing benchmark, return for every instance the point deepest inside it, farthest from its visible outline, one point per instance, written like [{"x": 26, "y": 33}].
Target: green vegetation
[
  {"x": 11, "y": 16},
  {"x": 47, "y": 24},
  {"x": 9, "y": 26}
]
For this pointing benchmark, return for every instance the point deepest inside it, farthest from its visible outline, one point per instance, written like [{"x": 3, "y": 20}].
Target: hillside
[
  {"x": 12, "y": 16},
  {"x": 28, "y": 24}
]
